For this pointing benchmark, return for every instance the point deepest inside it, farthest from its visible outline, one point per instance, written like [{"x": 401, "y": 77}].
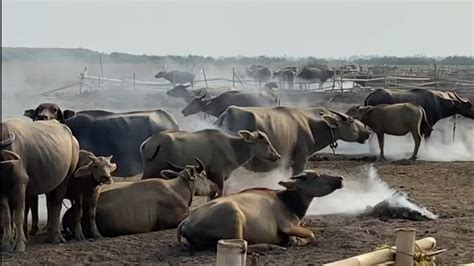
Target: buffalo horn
[
  {"x": 342, "y": 116},
  {"x": 459, "y": 98},
  {"x": 200, "y": 165},
  {"x": 8, "y": 141}
]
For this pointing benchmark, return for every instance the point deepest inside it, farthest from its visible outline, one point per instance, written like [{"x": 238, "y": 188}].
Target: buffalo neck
[
  {"x": 322, "y": 135},
  {"x": 184, "y": 187},
  {"x": 295, "y": 201},
  {"x": 242, "y": 151},
  {"x": 212, "y": 109},
  {"x": 188, "y": 97}
]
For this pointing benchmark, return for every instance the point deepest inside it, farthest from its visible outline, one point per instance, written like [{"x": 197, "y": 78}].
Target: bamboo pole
[
  {"x": 405, "y": 243},
  {"x": 134, "y": 88},
  {"x": 231, "y": 252},
  {"x": 233, "y": 77},
  {"x": 384, "y": 255},
  {"x": 204, "y": 75}
]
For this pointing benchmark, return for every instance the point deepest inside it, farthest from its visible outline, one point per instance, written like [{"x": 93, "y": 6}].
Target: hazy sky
[{"x": 309, "y": 28}]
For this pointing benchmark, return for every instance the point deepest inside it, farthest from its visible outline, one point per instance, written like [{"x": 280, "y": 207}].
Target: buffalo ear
[
  {"x": 8, "y": 155},
  {"x": 68, "y": 114},
  {"x": 60, "y": 115},
  {"x": 288, "y": 185},
  {"x": 168, "y": 174},
  {"x": 83, "y": 171},
  {"x": 192, "y": 172},
  {"x": 332, "y": 121},
  {"x": 30, "y": 113}
]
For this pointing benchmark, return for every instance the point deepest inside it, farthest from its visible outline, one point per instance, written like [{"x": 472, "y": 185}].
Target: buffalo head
[
  {"x": 100, "y": 168},
  {"x": 196, "y": 175},
  {"x": 462, "y": 106},
  {"x": 198, "y": 104},
  {"x": 313, "y": 184},
  {"x": 346, "y": 127},
  {"x": 49, "y": 111},
  {"x": 261, "y": 146},
  {"x": 160, "y": 74}
]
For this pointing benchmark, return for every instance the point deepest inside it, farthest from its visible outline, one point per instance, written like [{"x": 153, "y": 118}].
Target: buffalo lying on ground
[
  {"x": 41, "y": 159},
  {"x": 296, "y": 133},
  {"x": 393, "y": 119},
  {"x": 220, "y": 152},
  {"x": 437, "y": 104},
  {"x": 217, "y": 105},
  {"x": 147, "y": 205},
  {"x": 260, "y": 216},
  {"x": 176, "y": 77}
]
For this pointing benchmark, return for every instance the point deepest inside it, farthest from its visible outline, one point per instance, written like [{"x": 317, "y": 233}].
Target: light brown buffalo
[
  {"x": 83, "y": 189},
  {"x": 147, "y": 205},
  {"x": 260, "y": 216},
  {"x": 393, "y": 119},
  {"x": 42, "y": 159},
  {"x": 296, "y": 133},
  {"x": 220, "y": 152}
]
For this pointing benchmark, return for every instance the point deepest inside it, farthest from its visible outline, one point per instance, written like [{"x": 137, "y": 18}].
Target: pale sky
[{"x": 250, "y": 28}]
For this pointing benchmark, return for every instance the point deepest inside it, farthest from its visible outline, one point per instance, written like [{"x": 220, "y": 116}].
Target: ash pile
[{"x": 398, "y": 206}]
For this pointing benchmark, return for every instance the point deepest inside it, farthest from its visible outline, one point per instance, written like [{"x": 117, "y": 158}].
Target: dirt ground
[{"x": 445, "y": 188}]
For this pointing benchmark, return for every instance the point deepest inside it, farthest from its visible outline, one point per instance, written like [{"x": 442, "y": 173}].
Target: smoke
[
  {"x": 439, "y": 147},
  {"x": 360, "y": 191}
]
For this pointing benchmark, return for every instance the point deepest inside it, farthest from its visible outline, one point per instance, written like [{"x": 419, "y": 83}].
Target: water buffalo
[
  {"x": 393, "y": 119},
  {"x": 176, "y": 77},
  {"x": 217, "y": 105},
  {"x": 83, "y": 190},
  {"x": 107, "y": 133},
  {"x": 181, "y": 91},
  {"x": 41, "y": 159},
  {"x": 437, "y": 104},
  {"x": 148, "y": 205},
  {"x": 259, "y": 73},
  {"x": 296, "y": 133},
  {"x": 286, "y": 75},
  {"x": 259, "y": 216},
  {"x": 220, "y": 152},
  {"x": 311, "y": 74}
]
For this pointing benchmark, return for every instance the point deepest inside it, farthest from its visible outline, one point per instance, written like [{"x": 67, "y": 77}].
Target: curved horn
[
  {"x": 200, "y": 165},
  {"x": 459, "y": 98},
  {"x": 342, "y": 116},
  {"x": 176, "y": 167},
  {"x": 299, "y": 176},
  {"x": 7, "y": 142}
]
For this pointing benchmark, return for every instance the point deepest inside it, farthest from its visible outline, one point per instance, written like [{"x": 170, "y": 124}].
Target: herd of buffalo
[{"x": 158, "y": 168}]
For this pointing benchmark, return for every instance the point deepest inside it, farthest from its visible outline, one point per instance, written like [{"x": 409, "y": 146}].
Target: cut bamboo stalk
[
  {"x": 231, "y": 252},
  {"x": 405, "y": 245}
]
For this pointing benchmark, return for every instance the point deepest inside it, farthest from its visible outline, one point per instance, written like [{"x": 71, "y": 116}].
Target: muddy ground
[{"x": 446, "y": 188}]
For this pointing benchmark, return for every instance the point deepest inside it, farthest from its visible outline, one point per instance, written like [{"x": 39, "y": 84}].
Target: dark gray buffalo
[
  {"x": 437, "y": 104},
  {"x": 286, "y": 75},
  {"x": 296, "y": 133},
  {"x": 176, "y": 77},
  {"x": 259, "y": 73},
  {"x": 36, "y": 158},
  {"x": 182, "y": 91},
  {"x": 312, "y": 74},
  {"x": 106, "y": 133},
  {"x": 217, "y": 105}
]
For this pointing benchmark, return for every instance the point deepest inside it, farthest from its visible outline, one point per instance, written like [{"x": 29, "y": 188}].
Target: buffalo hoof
[
  {"x": 97, "y": 235},
  {"x": 80, "y": 237},
  {"x": 7, "y": 247},
  {"x": 20, "y": 246},
  {"x": 56, "y": 238}
]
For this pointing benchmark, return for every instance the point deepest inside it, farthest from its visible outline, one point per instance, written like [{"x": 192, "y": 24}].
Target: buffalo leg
[
  {"x": 417, "y": 139},
  {"x": 7, "y": 238},
  {"x": 220, "y": 185},
  {"x": 381, "y": 144},
  {"x": 34, "y": 215},
  {"x": 18, "y": 212},
  {"x": 299, "y": 236},
  {"x": 77, "y": 207},
  {"x": 55, "y": 199},
  {"x": 92, "y": 215}
]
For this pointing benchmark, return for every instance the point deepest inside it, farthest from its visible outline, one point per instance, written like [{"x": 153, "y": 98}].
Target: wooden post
[
  {"x": 385, "y": 73},
  {"x": 101, "y": 67},
  {"x": 134, "y": 81},
  {"x": 204, "y": 75},
  {"x": 98, "y": 82},
  {"x": 80, "y": 85},
  {"x": 231, "y": 252},
  {"x": 436, "y": 75},
  {"x": 233, "y": 77},
  {"x": 405, "y": 245}
]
